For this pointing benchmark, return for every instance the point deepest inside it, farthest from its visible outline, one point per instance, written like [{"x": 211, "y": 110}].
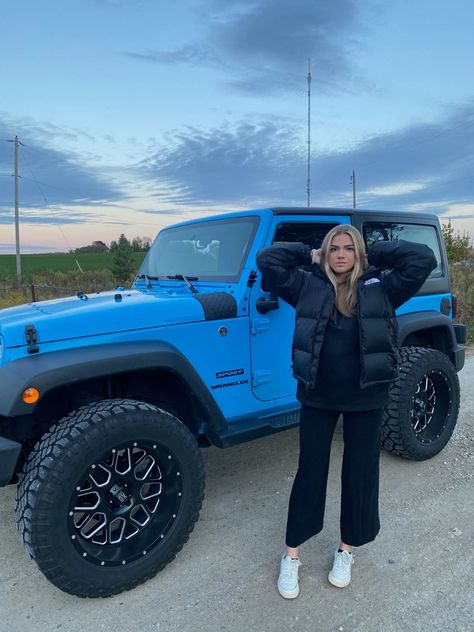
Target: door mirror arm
[{"x": 264, "y": 304}]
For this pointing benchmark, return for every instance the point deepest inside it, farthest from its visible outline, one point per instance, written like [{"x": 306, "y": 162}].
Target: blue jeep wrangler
[{"x": 106, "y": 398}]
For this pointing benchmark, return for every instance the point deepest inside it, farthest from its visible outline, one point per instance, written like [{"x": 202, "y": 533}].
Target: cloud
[
  {"x": 228, "y": 165},
  {"x": 48, "y": 177},
  {"x": 263, "y": 46},
  {"x": 46, "y": 216},
  {"x": 194, "y": 55},
  {"x": 25, "y": 248},
  {"x": 423, "y": 163},
  {"x": 264, "y": 162}
]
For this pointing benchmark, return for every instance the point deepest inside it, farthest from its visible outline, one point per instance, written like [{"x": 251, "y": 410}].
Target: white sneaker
[
  {"x": 288, "y": 586},
  {"x": 340, "y": 574}
]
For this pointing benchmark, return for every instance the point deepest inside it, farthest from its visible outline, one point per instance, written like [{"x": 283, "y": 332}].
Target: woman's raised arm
[
  {"x": 280, "y": 267},
  {"x": 409, "y": 263}
]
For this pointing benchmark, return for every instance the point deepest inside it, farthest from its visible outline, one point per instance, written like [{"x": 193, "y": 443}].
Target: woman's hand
[{"x": 316, "y": 256}]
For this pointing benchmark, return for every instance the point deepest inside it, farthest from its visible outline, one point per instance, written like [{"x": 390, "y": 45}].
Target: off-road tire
[
  {"x": 109, "y": 496},
  {"x": 424, "y": 405}
]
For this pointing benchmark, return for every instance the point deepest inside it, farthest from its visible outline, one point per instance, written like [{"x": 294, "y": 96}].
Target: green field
[{"x": 59, "y": 262}]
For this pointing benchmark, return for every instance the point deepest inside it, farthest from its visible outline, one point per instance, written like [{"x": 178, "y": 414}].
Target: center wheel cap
[{"x": 119, "y": 495}]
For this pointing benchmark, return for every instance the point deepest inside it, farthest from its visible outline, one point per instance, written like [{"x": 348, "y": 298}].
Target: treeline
[
  {"x": 137, "y": 244},
  {"x": 458, "y": 245},
  {"x": 122, "y": 250}
]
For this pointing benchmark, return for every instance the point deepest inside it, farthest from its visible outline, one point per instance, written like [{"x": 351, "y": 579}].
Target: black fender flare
[
  {"x": 426, "y": 320},
  {"x": 47, "y": 371}
]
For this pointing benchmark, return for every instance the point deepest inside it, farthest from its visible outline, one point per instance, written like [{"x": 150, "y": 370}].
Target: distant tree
[
  {"x": 123, "y": 261},
  {"x": 458, "y": 246},
  {"x": 100, "y": 246},
  {"x": 95, "y": 246},
  {"x": 137, "y": 244},
  {"x": 123, "y": 242},
  {"x": 141, "y": 244}
]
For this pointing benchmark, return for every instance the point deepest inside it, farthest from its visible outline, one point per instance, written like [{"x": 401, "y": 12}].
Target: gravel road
[{"x": 417, "y": 575}]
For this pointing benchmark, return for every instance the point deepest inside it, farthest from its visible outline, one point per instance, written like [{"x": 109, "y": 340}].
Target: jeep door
[{"x": 271, "y": 333}]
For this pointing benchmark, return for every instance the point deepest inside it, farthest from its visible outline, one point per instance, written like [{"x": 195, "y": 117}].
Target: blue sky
[{"x": 134, "y": 114}]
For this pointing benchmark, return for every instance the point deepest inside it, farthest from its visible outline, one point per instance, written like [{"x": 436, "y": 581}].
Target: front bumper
[{"x": 9, "y": 454}]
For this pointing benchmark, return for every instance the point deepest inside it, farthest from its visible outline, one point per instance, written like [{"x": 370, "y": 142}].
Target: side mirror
[{"x": 264, "y": 304}]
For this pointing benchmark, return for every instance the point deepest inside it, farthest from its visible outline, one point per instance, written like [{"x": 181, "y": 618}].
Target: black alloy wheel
[
  {"x": 109, "y": 496},
  {"x": 125, "y": 504},
  {"x": 424, "y": 405}
]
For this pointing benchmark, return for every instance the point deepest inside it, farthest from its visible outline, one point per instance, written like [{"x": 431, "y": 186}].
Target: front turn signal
[{"x": 30, "y": 395}]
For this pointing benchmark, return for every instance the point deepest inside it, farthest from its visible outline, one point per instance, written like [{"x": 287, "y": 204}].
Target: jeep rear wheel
[
  {"x": 424, "y": 405},
  {"x": 109, "y": 496}
]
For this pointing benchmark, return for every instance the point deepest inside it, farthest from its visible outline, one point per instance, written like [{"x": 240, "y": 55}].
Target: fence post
[{"x": 33, "y": 293}]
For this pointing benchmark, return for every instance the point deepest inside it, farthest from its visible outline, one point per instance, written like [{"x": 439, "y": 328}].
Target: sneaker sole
[
  {"x": 289, "y": 595},
  {"x": 338, "y": 583}
]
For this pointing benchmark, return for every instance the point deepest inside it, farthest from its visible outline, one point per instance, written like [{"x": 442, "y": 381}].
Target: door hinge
[
  {"x": 261, "y": 377},
  {"x": 259, "y": 325}
]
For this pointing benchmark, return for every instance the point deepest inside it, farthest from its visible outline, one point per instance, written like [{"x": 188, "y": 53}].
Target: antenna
[
  {"x": 353, "y": 180},
  {"x": 308, "y": 185}
]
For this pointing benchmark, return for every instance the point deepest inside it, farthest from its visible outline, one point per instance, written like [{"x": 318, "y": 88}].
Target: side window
[
  {"x": 309, "y": 233},
  {"x": 422, "y": 234}
]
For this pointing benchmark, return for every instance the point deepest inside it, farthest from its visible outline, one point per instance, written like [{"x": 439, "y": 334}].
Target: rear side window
[
  {"x": 422, "y": 234},
  {"x": 309, "y": 233}
]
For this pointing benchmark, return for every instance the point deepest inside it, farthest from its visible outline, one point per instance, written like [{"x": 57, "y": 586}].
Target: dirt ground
[{"x": 417, "y": 576}]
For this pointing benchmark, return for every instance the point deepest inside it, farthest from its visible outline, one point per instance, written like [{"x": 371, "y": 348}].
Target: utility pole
[
  {"x": 308, "y": 186},
  {"x": 353, "y": 180},
  {"x": 17, "y": 213}
]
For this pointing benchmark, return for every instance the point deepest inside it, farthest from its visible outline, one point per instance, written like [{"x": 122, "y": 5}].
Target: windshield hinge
[{"x": 252, "y": 278}]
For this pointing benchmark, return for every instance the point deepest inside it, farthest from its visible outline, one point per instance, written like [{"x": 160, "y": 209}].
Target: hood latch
[{"x": 31, "y": 336}]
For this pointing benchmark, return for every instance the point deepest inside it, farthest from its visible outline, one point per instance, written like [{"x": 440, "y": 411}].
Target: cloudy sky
[{"x": 134, "y": 114}]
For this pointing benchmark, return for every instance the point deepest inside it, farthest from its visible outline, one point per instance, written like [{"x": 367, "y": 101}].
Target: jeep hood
[{"x": 96, "y": 314}]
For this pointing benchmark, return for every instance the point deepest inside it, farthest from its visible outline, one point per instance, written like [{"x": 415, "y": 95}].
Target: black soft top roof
[{"x": 390, "y": 215}]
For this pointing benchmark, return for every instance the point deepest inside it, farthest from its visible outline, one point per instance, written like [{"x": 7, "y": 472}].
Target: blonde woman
[{"x": 345, "y": 355}]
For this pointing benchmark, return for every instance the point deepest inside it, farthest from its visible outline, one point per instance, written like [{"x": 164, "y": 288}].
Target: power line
[{"x": 48, "y": 205}]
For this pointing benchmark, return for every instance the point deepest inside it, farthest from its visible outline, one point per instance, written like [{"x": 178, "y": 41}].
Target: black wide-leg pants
[{"x": 359, "y": 519}]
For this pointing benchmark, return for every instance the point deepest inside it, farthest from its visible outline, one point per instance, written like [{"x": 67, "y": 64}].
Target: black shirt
[{"x": 339, "y": 369}]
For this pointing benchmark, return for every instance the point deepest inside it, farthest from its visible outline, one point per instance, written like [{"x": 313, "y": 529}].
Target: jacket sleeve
[
  {"x": 409, "y": 263},
  {"x": 280, "y": 268}
]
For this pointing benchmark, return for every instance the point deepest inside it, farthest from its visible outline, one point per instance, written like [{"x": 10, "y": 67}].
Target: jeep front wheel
[
  {"x": 424, "y": 404},
  {"x": 109, "y": 496}
]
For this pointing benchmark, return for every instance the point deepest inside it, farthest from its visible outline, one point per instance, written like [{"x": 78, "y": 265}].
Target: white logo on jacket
[{"x": 370, "y": 281}]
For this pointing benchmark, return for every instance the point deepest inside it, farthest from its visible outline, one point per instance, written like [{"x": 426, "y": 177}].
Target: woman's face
[{"x": 341, "y": 254}]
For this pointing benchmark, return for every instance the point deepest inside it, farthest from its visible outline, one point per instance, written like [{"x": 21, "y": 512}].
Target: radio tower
[{"x": 308, "y": 185}]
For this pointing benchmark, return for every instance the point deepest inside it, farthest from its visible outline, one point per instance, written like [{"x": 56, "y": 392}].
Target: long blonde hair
[{"x": 345, "y": 288}]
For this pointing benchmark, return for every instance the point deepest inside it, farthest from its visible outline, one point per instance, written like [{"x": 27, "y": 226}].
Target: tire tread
[{"x": 43, "y": 469}]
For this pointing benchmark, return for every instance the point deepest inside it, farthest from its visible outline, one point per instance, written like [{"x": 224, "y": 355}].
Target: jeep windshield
[{"x": 215, "y": 250}]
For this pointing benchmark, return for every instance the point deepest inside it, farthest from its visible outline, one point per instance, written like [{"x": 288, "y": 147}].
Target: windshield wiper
[
  {"x": 181, "y": 277},
  {"x": 148, "y": 279}
]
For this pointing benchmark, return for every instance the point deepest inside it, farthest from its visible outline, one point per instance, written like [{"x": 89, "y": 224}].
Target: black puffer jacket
[{"x": 379, "y": 294}]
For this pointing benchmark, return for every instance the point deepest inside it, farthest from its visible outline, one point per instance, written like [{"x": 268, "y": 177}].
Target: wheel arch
[
  {"x": 151, "y": 371},
  {"x": 433, "y": 330}
]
